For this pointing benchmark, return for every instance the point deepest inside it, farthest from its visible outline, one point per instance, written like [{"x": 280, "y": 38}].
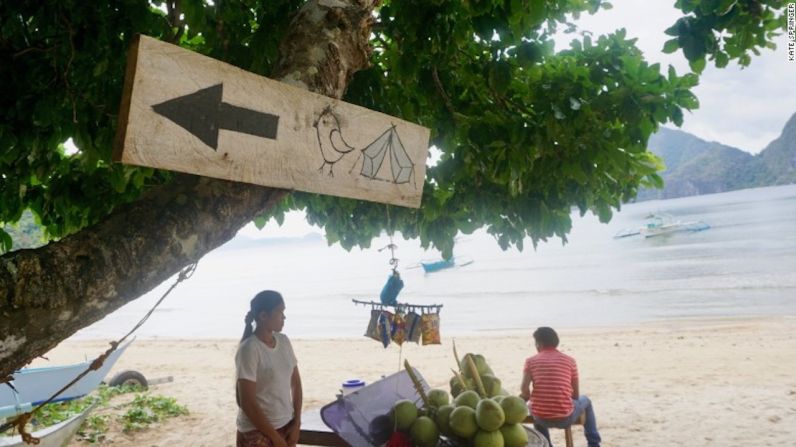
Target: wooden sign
[{"x": 186, "y": 112}]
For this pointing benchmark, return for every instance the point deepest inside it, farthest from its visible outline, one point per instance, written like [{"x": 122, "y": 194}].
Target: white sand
[{"x": 721, "y": 382}]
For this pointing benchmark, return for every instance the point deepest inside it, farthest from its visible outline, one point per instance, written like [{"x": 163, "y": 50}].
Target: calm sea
[{"x": 744, "y": 265}]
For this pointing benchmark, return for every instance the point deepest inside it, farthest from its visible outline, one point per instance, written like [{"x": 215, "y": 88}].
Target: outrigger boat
[
  {"x": 32, "y": 386},
  {"x": 57, "y": 435},
  {"x": 660, "y": 224},
  {"x": 435, "y": 266}
]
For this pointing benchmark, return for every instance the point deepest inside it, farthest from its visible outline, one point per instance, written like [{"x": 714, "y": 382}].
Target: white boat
[
  {"x": 32, "y": 386},
  {"x": 660, "y": 224},
  {"x": 57, "y": 435}
]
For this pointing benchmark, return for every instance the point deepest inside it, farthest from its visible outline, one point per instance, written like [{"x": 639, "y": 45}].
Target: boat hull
[
  {"x": 36, "y": 385},
  {"x": 57, "y": 435}
]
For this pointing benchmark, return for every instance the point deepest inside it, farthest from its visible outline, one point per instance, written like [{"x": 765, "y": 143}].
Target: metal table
[{"x": 315, "y": 432}]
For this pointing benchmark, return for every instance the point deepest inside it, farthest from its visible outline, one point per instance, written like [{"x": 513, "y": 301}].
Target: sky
[{"x": 744, "y": 108}]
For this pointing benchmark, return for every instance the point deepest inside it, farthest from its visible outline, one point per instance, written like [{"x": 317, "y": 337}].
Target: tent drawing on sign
[{"x": 387, "y": 150}]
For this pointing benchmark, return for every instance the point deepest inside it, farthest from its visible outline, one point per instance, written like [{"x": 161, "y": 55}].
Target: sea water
[{"x": 744, "y": 265}]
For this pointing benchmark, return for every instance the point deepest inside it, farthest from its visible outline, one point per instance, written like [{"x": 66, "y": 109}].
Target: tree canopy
[{"x": 525, "y": 131}]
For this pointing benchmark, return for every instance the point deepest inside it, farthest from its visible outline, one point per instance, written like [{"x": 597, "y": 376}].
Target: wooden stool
[{"x": 581, "y": 420}]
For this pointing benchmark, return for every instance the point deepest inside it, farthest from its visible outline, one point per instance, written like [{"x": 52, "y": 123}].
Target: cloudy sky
[{"x": 745, "y": 108}]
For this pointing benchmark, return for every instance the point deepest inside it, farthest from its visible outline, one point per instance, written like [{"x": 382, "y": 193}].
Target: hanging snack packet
[
  {"x": 385, "y": 327},
  {"x": 429, "y": 325},
  {"x": 373, "y": 325},
  {"x": 412, "y": 325},
  {"x": 398, "y": 329}
]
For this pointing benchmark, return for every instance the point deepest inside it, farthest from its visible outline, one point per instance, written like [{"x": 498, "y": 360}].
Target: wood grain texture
[{"x": 322, "y": 145}]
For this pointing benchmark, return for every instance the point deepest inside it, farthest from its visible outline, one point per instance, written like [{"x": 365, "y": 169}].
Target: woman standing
[{"x": 268, "y": 383}]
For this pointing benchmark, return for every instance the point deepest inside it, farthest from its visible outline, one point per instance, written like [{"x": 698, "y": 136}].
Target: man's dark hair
[{"x": 546, "y": 337}]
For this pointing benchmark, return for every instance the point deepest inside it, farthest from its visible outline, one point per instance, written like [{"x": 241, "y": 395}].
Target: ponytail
[
  {"x": 248, "y": 329},
  {"x": 265, "y": 301}
]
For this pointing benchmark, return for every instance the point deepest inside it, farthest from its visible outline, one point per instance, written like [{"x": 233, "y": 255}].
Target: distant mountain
[
  {"x": 695, "y": 166},
  {"x": 780, "y": 155}
]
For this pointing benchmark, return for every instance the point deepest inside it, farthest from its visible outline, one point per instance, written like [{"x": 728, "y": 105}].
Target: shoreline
[
  {"x": 713, "y": 381},
  {"x": 663, "y": 322}
]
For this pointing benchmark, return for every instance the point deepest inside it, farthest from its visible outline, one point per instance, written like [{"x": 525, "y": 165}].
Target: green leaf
[
  {"x": 724, "y": 7},
  {"x": 697, "y": 65},
  {"x": 260, "y": 222},
  {"x": 537, "y": 12},
  {"x": 5, "y": 241},
  {"x": 671, "y": 46},
  {"x": 500, "y": 76},
  {"x": 722, "y": 59}
]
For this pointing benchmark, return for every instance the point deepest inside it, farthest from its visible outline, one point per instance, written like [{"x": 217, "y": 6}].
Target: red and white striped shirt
[{"x": 552, "y": 374}]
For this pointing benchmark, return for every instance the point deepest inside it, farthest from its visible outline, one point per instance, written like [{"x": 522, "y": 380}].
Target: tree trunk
[{"x": 47, "y": 294}]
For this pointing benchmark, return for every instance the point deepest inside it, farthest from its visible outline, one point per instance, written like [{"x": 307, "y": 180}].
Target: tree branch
[{"x": 47, "y": 294}]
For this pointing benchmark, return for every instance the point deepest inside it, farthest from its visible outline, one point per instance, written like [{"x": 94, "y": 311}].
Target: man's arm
[
  {"x": 298, "y": 397},
  {"x": 525, "y": 387},
  {"x": 575, "y": 390},
  {"x": 248, "y": 403}
]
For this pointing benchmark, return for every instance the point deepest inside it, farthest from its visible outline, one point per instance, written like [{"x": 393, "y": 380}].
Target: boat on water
[
  {"x": 659, "y": 224},
  {"x": 435, "y": 266}
]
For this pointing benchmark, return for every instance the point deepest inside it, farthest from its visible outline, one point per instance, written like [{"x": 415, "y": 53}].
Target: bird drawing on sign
[{"x": 330, "y": 140}]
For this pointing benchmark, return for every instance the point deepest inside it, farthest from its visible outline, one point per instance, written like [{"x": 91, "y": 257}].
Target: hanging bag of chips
[
  {"x": 385, "y": 327},
  {"x": 429, "y": 325},
  {"x": 412, "y": 324},
  {"x": 373, "y": 325},
  {"x": 398, "y": 328}
]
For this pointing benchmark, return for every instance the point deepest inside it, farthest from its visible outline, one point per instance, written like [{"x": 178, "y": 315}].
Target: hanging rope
[
  {"x": 21, "y": 421},
  {"x": 391, "y": 245}
]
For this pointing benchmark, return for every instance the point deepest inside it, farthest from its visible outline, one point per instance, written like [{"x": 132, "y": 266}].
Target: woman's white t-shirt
[{"x": 271, "y": 369}]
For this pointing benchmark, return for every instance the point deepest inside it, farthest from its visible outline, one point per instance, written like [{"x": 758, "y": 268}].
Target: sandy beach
[{"x": 716, "y": 382}]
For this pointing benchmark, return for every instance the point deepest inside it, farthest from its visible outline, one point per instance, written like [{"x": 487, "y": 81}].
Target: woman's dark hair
[
  {"x": 265, "y": 301},
  {"x": 546, "y": 337}
]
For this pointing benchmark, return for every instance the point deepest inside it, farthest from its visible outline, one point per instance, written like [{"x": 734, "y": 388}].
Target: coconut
[
  {"x": 492, "y": 384},
  {"x": 438, "y": 398},
  {"x": 462, "y": 422},
  {"x": 481, "y": 365},
  {"x": 443, "y": 419},
  {"x": 424, "y": 432},
  {"x": 488, "y": 439},
  {"x": 514, "y": 435},
  {"x": 404, "y": 413},
  {"x": 467, "y": 398},
  {"x": 515, "y": 408},
  {"x": 489, "y": 415}
]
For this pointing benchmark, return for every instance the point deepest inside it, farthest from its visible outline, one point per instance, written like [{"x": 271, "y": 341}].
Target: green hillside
[{"x": 695, "y": 166}]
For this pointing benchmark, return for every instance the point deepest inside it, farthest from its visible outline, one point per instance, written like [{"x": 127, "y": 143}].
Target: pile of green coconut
[{"x": 481, "y": 413}]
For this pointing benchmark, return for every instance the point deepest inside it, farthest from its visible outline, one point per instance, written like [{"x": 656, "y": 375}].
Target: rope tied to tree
[{"x": 22, "y": 420}]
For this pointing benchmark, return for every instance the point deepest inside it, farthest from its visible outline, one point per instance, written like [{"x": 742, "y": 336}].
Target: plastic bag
[{"x": 389, "y": 293}]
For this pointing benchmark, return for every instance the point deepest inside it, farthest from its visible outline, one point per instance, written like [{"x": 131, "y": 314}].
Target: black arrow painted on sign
[{"x": 203, "y": 114}]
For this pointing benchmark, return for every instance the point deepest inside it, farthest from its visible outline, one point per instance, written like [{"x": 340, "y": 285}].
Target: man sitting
[{"x": 555, "y": 401}]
